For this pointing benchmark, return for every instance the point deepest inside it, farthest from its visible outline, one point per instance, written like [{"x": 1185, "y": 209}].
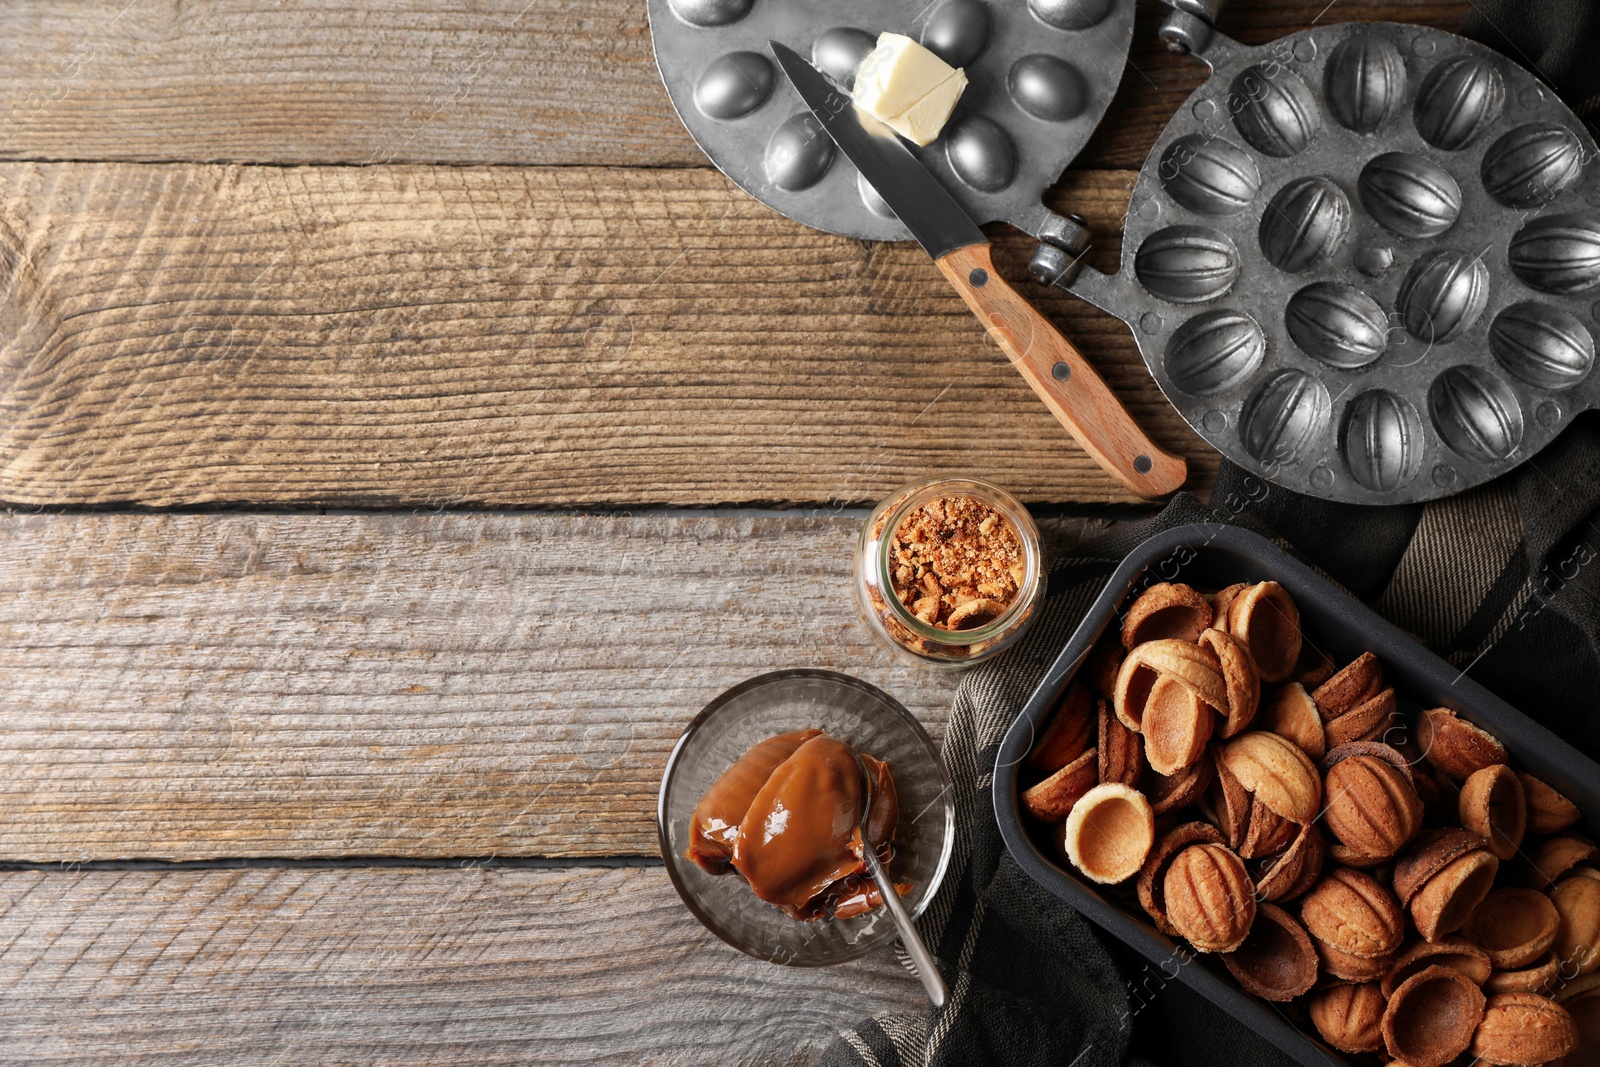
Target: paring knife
[{"x": 1069, "y": 387}]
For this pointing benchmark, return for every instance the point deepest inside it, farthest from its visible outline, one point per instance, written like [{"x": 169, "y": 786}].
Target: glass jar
[{"x": 942, "y": 634}]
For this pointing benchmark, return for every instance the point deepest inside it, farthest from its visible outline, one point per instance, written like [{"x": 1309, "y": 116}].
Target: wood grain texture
[
  {"x": 457, "y": 81},
  {"x": 204, "y": 686},
  {"x": 397, "y": 966},
  {"x": 192, "y": 334}
]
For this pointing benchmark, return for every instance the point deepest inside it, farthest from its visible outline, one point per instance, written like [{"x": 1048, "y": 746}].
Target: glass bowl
[{"x": 860, "y": 715}]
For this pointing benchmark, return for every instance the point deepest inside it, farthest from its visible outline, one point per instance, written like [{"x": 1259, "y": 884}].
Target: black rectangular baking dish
[{"x": 1210, "y": 556}]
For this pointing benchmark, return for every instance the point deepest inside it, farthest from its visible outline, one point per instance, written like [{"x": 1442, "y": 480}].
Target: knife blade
[{"x": 1072, "y": 390}]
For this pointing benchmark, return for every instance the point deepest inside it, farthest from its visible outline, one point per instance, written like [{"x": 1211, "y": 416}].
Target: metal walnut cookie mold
[
  {"x": 1363, "y": 261},
  {"x": 1040, "y": 77}
]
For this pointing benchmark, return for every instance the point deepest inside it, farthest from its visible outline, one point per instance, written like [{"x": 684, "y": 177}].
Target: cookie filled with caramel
[{"x": 786, "y": 818}]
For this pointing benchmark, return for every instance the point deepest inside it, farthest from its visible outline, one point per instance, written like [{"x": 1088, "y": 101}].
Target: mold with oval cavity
[
  {"x": 1304, "y": 224},
  {"x": 734, "y": 85},
  {"x": 980, "y": 153},
  {"x": 1409, "y": 195},
  {"x": 870, "y": 197},
  {"x": 710, "y": 12},
  {"x": 1187, "y": 264},
  {"x": 838, "y": 53},
  {"x": 1048, "y": 88},
  {"x": 957, "y": 32},
  {"x": 1277, "y": 114},
  {"x": 1283, "y": 418},
  {"x": 1532, "y": 165},
  {"x": 1214, "y": 352},
  {"x": 1476, "y": 414},
  {"x": 1338, "y": 325},
  {"x": 1442, "y": 295},
  {"x": 798, "y": 154},
  {"x": 1558, "y": 253},
  {"x": 1209, "y": 175},
  {"x": 1070, "y": 14},
  {"x": 1381, "y": 441},
  {"x": 1458, "y": 101},
  {"x": 1542, "y": 346},
  {"x": 1365, "y": 82}
]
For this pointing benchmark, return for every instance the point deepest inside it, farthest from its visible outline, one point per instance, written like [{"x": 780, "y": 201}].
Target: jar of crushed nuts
[{"x": 949, "y": 571}]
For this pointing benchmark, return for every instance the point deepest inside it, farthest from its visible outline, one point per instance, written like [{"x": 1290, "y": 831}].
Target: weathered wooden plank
[
  {"x": 460, "y": 81},
  {"x": 577, "y": 966},
  {"x": 193, "y": 334},
  {"x": 201, "y": 686}
]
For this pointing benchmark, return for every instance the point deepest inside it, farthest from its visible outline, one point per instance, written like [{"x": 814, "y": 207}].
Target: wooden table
[{"x": 403, "y": 437}]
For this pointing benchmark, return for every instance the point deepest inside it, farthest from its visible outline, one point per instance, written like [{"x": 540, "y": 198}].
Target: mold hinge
[{"x": 1063, "y": 240}]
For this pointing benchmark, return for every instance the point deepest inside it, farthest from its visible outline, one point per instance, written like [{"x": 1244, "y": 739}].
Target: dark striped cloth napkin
[{"x": 1503, "y": 580}]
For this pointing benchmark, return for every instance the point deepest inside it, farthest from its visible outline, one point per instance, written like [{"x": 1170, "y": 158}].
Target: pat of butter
[{"x": 909, "y": 88}]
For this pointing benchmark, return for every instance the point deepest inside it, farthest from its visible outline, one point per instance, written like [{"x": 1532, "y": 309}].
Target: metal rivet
[
  {"x": 1444, "y": 475},
  {"x": 1214, "y": 421},
  {"x": 1061, "y": 372},
  {"x": 1548, "y": 412},
  {"x": 1149, "y": 322},
  {"x": 1142, "y": 464},
  {"x": 979, "y": 277},
  {"x": 1322, "y": 478}
]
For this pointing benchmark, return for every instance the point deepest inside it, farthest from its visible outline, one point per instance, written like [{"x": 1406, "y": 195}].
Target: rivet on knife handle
[{"x": 1064, "y": 380}]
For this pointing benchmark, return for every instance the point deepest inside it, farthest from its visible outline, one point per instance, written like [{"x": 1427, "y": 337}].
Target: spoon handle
[{"x": 921, "y": 958}]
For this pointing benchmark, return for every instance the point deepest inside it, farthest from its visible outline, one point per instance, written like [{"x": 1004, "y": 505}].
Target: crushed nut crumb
[{"x": 957, "y": 563}]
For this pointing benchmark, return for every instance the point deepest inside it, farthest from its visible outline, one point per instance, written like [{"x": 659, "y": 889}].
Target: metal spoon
[{"x": 921, "y": 958}]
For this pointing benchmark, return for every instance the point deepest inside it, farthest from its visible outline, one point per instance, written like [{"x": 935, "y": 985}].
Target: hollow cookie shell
[
  {"x": 1151, "y": 886},
  {"x": 1371, "y": 805},
  {"x": 1519, "y": 1028},
  {"x": 1457, "y": 953},
  {"x": 1577, "y": 899},
  {"x": 1265, "y": 620},
  {"x": 1554, "y": 858},
  {"x": 1227, "y": 803},
  {"x": 1354, "y": 683},
  {"x": 1355, "y": 923},
  {"x": 1548, "y": 811},
  {"x": 1068, "y": 734},
  {"x": 1514, "y": 927},
  {"x": 1166, "y": 610},
  {"x": 1493, "y": 807},
  {"x": 1276, "y": 771},
  {"x": 1120, "y": 750},
  {"x": 1176, "y": 726},
  {"x": 1276, "y": 960},
  {"x": 1446, "y": 901},
  {"x": 1170, "y": 793},
  {"x": 1455, "y": 746},
  {"x": 1109, "y": 833},
  {"x": 1241, "y": 682},
  {"x": 1349, "y": 1016},
  {"x": 1541, "y": 976},
  {"x": 1192, "y": 665},
  {"x": 1432, "y": 1017},
  {"x": 1209, "y": 897},
  {"x": 1052, "y": 799},
  {"x": 1364, "y": 722},
  {"x": 1296, "y": 870},
  {"x": 1292, "y": 715}
]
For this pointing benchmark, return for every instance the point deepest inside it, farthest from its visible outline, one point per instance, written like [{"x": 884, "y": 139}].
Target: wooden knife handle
[{"x": 1064, "y": 380}]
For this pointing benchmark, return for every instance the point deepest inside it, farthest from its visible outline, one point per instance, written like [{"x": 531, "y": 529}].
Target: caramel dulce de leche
[{"x": 786, "y": 817}]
